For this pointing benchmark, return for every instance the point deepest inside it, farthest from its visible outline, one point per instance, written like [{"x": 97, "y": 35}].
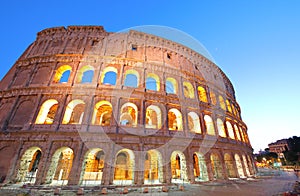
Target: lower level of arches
[{"x": 94, "y": 166}]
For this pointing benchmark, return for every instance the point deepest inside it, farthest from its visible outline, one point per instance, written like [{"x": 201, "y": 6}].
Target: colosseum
[{"x": 87, "y": 107}]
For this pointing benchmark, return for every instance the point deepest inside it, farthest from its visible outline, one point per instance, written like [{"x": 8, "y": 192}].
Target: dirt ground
[{"x": 267, "y": 183}]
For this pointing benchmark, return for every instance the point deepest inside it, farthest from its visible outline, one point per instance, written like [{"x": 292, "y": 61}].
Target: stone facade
[{"x": 83, "y": 106}]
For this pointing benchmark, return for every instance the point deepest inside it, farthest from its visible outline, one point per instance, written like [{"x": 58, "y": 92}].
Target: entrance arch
[
  {"x": 200, "y": 169},
  {"x": 229, "y": 164},
  {"x": 178, "y": 167},
  {"x": 216, "y": 166},
  {"x": 92, "y": 167},
  {"x": 246, "y": 165},
  {"x": 239, "y": 165},
  {"x": 29, "y": 165},
  {"x": 60, "y": 167},
  {"x": 153, "y": 170},
  {"x": 124, "y": 167}
]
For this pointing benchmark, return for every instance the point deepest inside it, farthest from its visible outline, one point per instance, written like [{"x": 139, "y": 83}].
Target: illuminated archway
[
  {"x": 216, "y": 166},
  {"x": 131, "y": 78},
  {"x": 222, "y": 102},
  {"x": 194, "y": 122},
  {"x": 109, "y": 76},
  {"x": 213, "y": 98},
  {"x": 152, "y": 82},
  {"x": 202, "y": 94},
  {"x": 210, "y": 129},
  {"x": 129, "y": 115},
  {"x": 102, "y": 114},
  {"x": 200, "y": 169},
  {"x": 60, "y": 166},
  {"x": 230, "y": 130},
  {"x": 85, "y": 74},
  {"x": 239, "y": 165},
  {"x": 29, "y": 165},
  {"x": 175, "y": 120},
  {"x": 62, "y": 74},
  {"x": 153, "y": 169},
  {"x": 92, "y": 167},
  {"x": 228, "y": 106},
  {"x": 221, "y": 128},
  {"x": 153, "y": 117},
  {"x": 246, "y": 165},
  {"x": 188, "y": 90},
  {"x": 47, "y": 112},
  {"x": 178, "y": 167},
  {"x": 229, "y": 164},
  {"x": 171, "y": 86},
  {"x": 237, "y": 132},
  {"x": 124, "y": 167},
  {"x": 74, "y": 112}
]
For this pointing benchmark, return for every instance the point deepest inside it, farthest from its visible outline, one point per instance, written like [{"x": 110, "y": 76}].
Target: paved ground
[{"x": 267, "y": 183}]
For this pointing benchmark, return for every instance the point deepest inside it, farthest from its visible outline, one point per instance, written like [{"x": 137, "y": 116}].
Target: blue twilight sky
[{"x": 255, "y": 42}]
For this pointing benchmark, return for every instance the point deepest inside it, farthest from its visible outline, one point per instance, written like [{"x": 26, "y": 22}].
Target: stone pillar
[
  {"x": 224, "y": 170},
  {"x": 209, "y": 167},
  {"x": 167, "y": 171},
  {"x": 139, "y": 168},
  {"x": 190, "y": 167},
  {"x": 74, "y": 175},
  {"x": 44, "y": 166}
]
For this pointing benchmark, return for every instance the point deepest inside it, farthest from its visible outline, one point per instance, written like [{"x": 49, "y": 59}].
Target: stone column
[
  {"x": 75, "y": 172},
  {"x": 190, "y": 167},
  {"x": 209, "y": 167}
]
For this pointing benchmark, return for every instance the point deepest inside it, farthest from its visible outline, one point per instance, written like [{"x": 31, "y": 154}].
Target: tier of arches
[
  {"x": 155, "y": 117},
  {"x": 94, "y": 169},
  {"x": 153, "y": 82}
]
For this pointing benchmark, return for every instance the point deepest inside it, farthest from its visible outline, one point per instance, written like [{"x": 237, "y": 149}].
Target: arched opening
[
  {"x": 178, "y": 167},
  {"x": 221, "y": 128},
  {"x": 62, "y": 74},
  {"x": 29, "y": 165},
  {"x": 74, "y": 112},
  {"x": 128, "y": 115},
  {"x": 102, "y": 113},
  {"x": 246, "y": 165},
  {"x": 194, "y": 122},
  {"x": 92, "y": 167},
  {"x": 175, "y": 120},
  {"x": 202, "y": 94},
  {"x": 171, "y": 86},
  {"x": 222, "y": 102},
  {"x": 153, "y": 117},
  {"x": 85, "y": 74},
  {"x": 124, "y": 167},
  {"x": 230, "y": 130},
  {"x": 228, "y": 106},
  {"x": 188, "y": 90},
  {"x": 200, "y": 169},
  {"x": 131, "y": 78},
  {"x": 213, "y": 98},
  {"x": 152, "y": 82},
  {"x": 237, "y": 132},
  {"x": 47, "y": 112},
  {"x": 239, "y": 165},
  {"x": 216, "y": 166},
  {"x": 109, "y": 76},
  {"x": 60, "y": 167},
  {"x": 250, "y": 163},
  {"x": 229, "y": 164},
  {"x": 153, "y": 170},
  {"x": 210, "y": 129}
]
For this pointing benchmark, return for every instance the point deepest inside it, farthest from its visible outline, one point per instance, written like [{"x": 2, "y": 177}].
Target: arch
[
  {"x": 230, "y": 130},
  {"x": 222, "y": 102},
  {"x": 239, "y": 165},
  {"x": 92, "y": 167},
  {"x": 102, "y": 113},
  {"x": 60, "y": 166},
  {"x": 171, "y": 86},
  {"x": 200, "y": 169},
  {"x": 246, "y": 165},
  {"x": 124, "y": 167},
  {"x": 237, "y": 132},
  {"x": 242, "y": 134},
  {"x": 129, "y": 114},
  {"x": 152, "y": 82},
  {"x": 188, "y": 90},
  {"x": 216, "y": 166},
  {"x": 209, "y": 124},
  {"x": 202, "y": 94},
  {"x": 74, "y": 112},
  {"x": 29, "y": 165},
  {"x": 228, "y": 106},
  {"x": 194, "y": 122},
  {"x": 109, "y": 76},
  {"x": 153, "y": 168},
  {"x": 221, "y": 128},
  {"x": 178, "y": 167},
  {"x": 62, "y": 74},
  {"x": 85, "y": 74},
  {"x": 229, "y": 164},
  {"x": 175, "y": 120},
  {"x": 153, "y": 117},
  {"x": 131, "y": 78},
  {"x": 213, "y": 98},
  {"x": 47, "y": 112}
]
